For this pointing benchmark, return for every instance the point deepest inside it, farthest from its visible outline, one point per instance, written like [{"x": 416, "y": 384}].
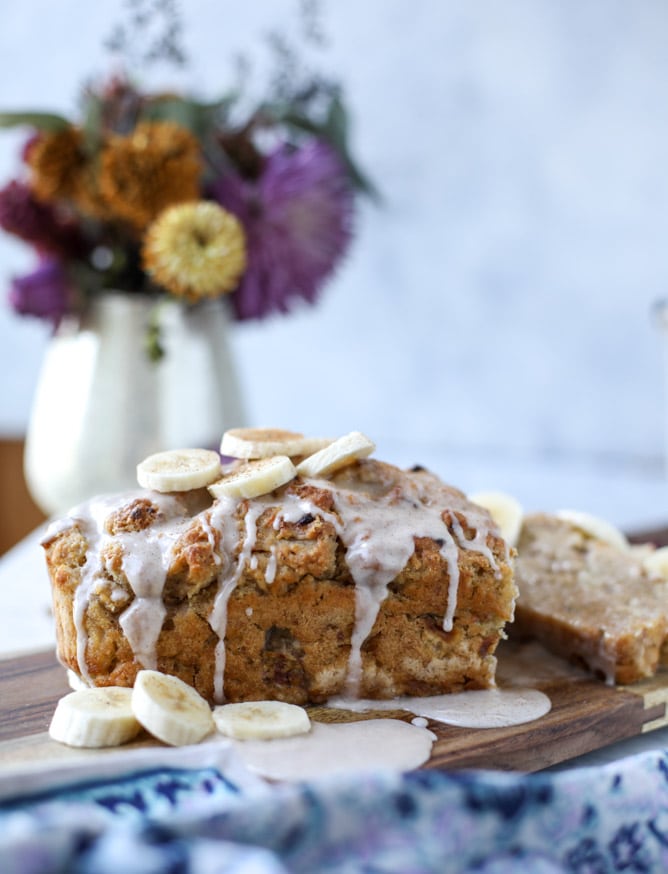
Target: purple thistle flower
[
  {"x": 44, "y": 293},
  {"x": 298, "y": 221},
  {"x": 38, "y": 224}
]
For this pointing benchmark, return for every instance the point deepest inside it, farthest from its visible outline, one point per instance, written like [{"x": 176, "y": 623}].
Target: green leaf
[
  {"x": 336, "y": 125},
  {"x": 92, "y": 124},
  {"x": 48, "y": 121},
  {"x": 334, "y": 129},
  {"x": 194, "y": 115}
]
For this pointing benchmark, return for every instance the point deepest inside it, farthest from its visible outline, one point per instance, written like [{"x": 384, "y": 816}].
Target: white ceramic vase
[{"x": 101, "y": 404}]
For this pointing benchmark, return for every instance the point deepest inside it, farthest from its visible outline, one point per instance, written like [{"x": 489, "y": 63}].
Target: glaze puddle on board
[
  {"x": 484, "y": 708},
  {"x": 339, "y": 748}
]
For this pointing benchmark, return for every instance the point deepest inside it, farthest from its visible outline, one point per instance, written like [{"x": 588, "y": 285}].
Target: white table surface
[
  {"x": 25, "y": 599},
  {"x": 635, "y": 502}
]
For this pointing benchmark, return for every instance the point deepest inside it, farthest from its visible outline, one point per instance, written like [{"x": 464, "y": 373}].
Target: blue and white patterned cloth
[{"x": 197, "y": 821}]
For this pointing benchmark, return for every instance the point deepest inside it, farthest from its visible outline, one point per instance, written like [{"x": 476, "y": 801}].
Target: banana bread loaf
[
  {"x": 590, "y": 600},
  {"x": 372, "y": 582}
]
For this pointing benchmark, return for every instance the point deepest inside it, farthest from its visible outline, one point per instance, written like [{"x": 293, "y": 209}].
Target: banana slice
[
  {"x": 255, "y": 478},
  {"x": 253, "y": 443},
  {"x": 179, "y": 470},
  {"x": 505, "y": 510},
  {"x": 656, "y": 563},
  {"x": 261, "y": 720},
  {"x": 99, "y": 717},
  {"x": 595, "y": 527},
  {"x": 338, "y": 454},
  {"x": 170, "y": 709}
]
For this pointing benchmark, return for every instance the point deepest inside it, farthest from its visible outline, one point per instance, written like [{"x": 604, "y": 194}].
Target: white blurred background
[{"x": 494, "y": 317}]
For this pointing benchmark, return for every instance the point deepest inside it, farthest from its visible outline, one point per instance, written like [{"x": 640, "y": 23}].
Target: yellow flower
[
  {"x": 156, "y": 166},
  {"x": 195, "y": 250}
]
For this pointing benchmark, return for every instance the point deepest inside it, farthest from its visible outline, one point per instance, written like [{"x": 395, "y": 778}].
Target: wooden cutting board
[{"x": 586, "y": 715}]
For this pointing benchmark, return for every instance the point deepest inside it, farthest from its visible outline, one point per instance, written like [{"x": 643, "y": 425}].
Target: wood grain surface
[
  {"x": 586, "y": 715},
  {"x": 30, "y": 685}
]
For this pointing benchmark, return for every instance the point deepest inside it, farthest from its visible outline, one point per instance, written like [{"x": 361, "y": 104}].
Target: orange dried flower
[
  {"x": 61, "y": 170},
  {"x": 87, "y": 195},
  {"x": 195, "y": 250},
  {"x": 55, "y": 160},
  {"x": 156, "y": 166}
]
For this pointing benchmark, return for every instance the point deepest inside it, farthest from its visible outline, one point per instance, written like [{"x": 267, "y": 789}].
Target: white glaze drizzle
[
  {"x": 478, "y": 543},
  {"x": 146, "y": 559},
  {"x": 211, "y": 537},
  {"x": 142, "y": 620},
  {"x": 89, "y": 518},
  {"x": 56, "y": 527},
  {"x": 291, "y": 511},
  {"x": 147, "y": 556},
  {"x": 379, "y": 541},
  {"x": 272, "y": 562},
  {"x": 218, "y": 622},
  {"x": 221, "y": 516}
]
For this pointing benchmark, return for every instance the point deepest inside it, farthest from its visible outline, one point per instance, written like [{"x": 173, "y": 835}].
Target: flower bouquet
[
  {"x": 166, "y": 195},
  {"x": 156, "y": 218}
]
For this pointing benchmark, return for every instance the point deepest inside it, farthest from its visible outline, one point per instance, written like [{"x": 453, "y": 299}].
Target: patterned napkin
[{"x": 174, "y": 820}]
